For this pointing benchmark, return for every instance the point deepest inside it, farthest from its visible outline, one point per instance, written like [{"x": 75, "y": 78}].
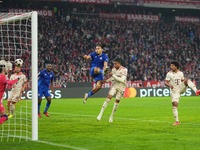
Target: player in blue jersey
[
  {"x": 45, "y": 79},
  {"x": 98, "y": 68}
]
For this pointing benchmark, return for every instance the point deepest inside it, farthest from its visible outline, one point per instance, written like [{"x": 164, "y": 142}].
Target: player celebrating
[
  {"x": 119, "y": 75},
  {"x": 175, "y": 80},
  {"x": 17, "y": 89},
  {"x": 3, "y": 83},
  {"x": 98, "y": 69},
  {"x": 45, "y": 79}
]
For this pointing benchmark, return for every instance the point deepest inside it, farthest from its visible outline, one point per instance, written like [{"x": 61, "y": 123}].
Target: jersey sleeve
[
  {"x": 11, "y": 77},
  {"x": 52, "y": 77},
  {"x": 2, "y": 80},
  {"x": 92, "y": 55},
  {"x": 106, "y": 58},
  {"x": 125, "y": 72},
  {"x": 25, "y": 79},
  {"x": 182, "y": 76},
  {"x": 41, "y": 73},
  {"x": 167, "y": 77}
]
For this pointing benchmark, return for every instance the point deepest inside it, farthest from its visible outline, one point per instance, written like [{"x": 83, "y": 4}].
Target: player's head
[
  {"x": 2, "y": 69},
  {"x": 174, "y": 65},
  {"x": 49, "y": 67},
  {"x": 99, "y": 48},
  {"x": 17, "y": 69},
  {"x": 117, "y": 63}
]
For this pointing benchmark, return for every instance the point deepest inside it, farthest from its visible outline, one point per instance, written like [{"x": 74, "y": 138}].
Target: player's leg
[
  {"x": 12, "y": 109},
  {"x": 189, "y": 83},
  {"x": 98, "y": 70},
  {"x": 40, "y": 94},
  {"x": 94, "y": 90},
  {"x": 175, "y": 100},
  {"x": 119, "y": 95},
  {"x": 8, "y": 106},
  {"x": 105, "y": 104},
  {"x": 3, "y": 115},
  {"x": 48, "y": 97}
]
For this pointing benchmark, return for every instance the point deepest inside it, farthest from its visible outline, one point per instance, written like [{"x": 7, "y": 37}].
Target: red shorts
[{"x": 1, "y": 107}]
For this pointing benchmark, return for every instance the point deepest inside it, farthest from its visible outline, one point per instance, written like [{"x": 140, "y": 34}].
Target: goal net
[{"x": 18, "y": 40}]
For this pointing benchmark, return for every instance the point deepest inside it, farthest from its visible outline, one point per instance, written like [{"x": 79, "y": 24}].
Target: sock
[
  {"x": 192, "y": 86},
  {"x": 3, "y": 118},
  {"x": 47, "y": 107},
  {"x": 101, "y": 71},
  {"x": 105, "y": 104},
  {"x": 90, "y": 94},
  {"x": 175, "y": 112},
  {"x": 114, "y": 109},
  {"x": 39, "y": 104}
]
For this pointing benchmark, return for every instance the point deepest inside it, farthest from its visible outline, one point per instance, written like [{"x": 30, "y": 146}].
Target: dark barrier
[{"x": 78, "y": 92}]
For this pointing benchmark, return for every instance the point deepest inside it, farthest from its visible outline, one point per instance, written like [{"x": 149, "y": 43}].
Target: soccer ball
[{"x": 18, "y": 62}]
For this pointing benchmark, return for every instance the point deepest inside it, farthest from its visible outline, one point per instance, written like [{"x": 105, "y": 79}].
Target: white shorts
[
  {"x": 176, "y": 94},
  {"x": 119, "y": 94},
  {"x": 14, "y": 96}
]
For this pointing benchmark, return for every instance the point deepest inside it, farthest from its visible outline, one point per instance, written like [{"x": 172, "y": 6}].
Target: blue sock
[
  {"x": 101, "y": 71},
  {"x": 4, "y": 116},
  {"x": 47, "y": 107},
  {"x": 90, "y": 94},
  {"x": 39, "y": 107}
]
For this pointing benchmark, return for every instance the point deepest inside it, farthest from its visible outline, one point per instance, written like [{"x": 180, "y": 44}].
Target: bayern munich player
[
  {"x": 119, "y": 77},
  {"x": 175, "y": 80}
]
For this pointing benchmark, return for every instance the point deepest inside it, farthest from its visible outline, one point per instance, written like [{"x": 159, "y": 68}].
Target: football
[{"x": 18, "y": 62}]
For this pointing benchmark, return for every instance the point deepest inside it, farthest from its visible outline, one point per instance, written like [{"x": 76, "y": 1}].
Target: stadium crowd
[{"x": 145, "y": 47}]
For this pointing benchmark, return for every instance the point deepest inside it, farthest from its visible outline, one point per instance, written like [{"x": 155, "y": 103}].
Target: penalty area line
[{"x": 196, "y": 124}]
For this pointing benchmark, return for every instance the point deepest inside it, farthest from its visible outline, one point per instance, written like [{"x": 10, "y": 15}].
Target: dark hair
[
  {"x": 119, "y": 60},
  {"x": 1, "y": 68},
  {"x": 102, "y": 45},
  {"x": 176, "y": 63}
]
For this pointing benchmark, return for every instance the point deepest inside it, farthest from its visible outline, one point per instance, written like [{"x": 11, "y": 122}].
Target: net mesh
[{"x": 15, "y": 43}]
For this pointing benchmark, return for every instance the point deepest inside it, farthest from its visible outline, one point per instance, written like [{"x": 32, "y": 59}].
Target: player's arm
[
  {"x": 25, "y": 85},
  {"x": 52, "y": 88},
  {"x": 105, "y": 65},
  {"x": 120, "y": 79},
  {"x": 167, "y": 81},
  {"x": 87, "y": 57},
  {"x": 11, "y": 82}
]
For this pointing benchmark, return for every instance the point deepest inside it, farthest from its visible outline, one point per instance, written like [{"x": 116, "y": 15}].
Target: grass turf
[{"x": 139, "y": 123}]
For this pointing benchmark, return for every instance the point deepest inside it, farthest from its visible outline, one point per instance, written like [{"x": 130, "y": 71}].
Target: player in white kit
[
  {"x": 118, "y": 76},
  {"x": 175, "y": 80},
  {"x": 17, "y": 90}
]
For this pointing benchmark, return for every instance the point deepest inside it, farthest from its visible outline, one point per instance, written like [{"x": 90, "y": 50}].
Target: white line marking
[
  {"x": 45, "y": 142},
  {"x": 123, "y": 118}
]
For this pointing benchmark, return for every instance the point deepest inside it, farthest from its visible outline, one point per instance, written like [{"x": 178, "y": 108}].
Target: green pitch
[{"x": 139, "y": 123}]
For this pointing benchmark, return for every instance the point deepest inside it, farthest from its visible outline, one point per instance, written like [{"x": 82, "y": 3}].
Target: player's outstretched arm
[
  {"x": 86, "y": 57},
  {"x": 119, "y": 79},
  {"x": 11, "y": 82}
]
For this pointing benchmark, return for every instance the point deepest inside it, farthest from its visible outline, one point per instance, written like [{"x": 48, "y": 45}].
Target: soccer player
[
  {"x": 119, "y": 75},
  {"x": 175, "y": 80},
  {"x": 45, "y": 79},
  {"x": 3, "y": 83},
  {"x": 17, "y": 90},
  {"x": 98, "y": 69}
]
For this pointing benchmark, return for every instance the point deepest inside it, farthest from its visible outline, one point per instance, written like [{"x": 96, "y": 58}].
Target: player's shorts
[
  {"x": 42, "y": 92},
  {"x": 177, "y": 93},
  {"x": 1, "y": 107},
  {"x": 14, "y": 96},
  {"x": 114, "y": 91},
  {"x": 97, "y": 77}
]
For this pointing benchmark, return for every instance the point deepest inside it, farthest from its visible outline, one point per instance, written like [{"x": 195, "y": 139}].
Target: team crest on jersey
[
  {"x": 50, "y": 75},
  {"x": 100, "y": 57}
]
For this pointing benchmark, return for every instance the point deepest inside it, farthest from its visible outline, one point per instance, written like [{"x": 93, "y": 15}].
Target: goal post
[{"x": 19, "y": 39}]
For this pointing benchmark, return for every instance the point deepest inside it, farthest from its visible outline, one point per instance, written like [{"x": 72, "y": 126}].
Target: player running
[
  {"x": 45, "y": 79},
  {"x": 3, "y": 83},
  {"x": 119, "y": 75},
  {"x": 175, "y": 80},
  {"x": 98, "y": 68},
  {"x": 17, "y": 90}
]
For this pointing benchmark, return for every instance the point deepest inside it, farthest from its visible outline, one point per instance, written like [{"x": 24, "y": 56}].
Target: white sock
[
  {"x": 175, "y": 112},
  {"x": 105, "y": 104},
  {"x": 114, "y": 109},
  {"x": 192, "y": 86}
]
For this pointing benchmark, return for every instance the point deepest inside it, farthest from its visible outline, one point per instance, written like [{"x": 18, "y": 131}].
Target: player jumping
[
  {"x": 17, "y": 90},
  {"x": 45, "y": 79},
  {"x": 3, "y": 83},
  {"x": 175, "y": 80},
  {"x": 119, "y": 75},
  {"x": 98, "y": 69}
]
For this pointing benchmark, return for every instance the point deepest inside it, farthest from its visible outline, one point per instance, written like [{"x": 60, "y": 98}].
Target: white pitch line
[
  {"x": 124, "y": 118},
  {"x": 45, "y": 142}
]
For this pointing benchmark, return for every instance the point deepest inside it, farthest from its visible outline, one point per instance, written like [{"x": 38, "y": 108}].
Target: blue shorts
[
  {"x": 97, "y": 77},
  {"x": 42, "y": 92}
]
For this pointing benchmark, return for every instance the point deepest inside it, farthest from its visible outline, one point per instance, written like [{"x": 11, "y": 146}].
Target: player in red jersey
[{"x": 3, "y": 83}]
